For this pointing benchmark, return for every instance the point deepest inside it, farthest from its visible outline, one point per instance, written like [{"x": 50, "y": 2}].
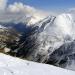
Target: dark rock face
[
  {"x": 63, "y": 56},
  {"x": 7, "y": 36},
  {"x": 27, "y": 44},
  {"x": 21, "y": 39},
  {"x": 13, "y": 35}
]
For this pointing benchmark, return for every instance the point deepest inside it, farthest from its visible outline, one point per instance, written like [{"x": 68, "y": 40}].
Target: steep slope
[
  {"x": 45, "y": 37},
  {"x": 51, "y": 34},
  {"x": 14, "y": 66}
]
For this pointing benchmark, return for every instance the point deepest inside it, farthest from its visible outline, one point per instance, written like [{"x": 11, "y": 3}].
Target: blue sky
[{"x": 47, "y": 4}]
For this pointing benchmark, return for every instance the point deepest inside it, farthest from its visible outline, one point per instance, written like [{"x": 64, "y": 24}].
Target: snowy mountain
[
  {"x": 44, "y": 41},
  {"x": 46, "y": 37},
  {"x": 51, "y": 34},
  {"x": 14, "y": 66},
  {"x": 34, "y": 35},
  {"x": 56, "y": 41}
]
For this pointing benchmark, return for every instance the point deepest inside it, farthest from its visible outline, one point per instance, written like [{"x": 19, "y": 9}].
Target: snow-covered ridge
[
  {"x": 63, "y": 22},
  {"x": 52, "y": 33},
  {"x": 14, "y": 66}
]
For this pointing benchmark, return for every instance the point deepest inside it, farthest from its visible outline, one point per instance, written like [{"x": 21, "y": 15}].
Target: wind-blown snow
[
  {"x": 64, "y": 23},
  {"x": 14, "y": 66},
  {"x": 53, "y": 32}
]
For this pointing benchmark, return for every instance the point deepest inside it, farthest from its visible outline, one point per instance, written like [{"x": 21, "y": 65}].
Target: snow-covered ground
[{"x": 15, "y": 66}]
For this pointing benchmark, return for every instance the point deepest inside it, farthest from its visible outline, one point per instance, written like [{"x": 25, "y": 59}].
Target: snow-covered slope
[{"x": 14, "y": 66}]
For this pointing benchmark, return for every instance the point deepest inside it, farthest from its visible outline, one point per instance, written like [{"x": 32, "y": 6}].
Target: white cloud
[
  {"x": 20, "y": 12},
  {"x": 20, "y": 7},
  {"x": 3, "y": 4}
]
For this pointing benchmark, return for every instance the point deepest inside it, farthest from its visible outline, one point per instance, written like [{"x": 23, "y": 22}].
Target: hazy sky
[{"x": 48, "y": 4}]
